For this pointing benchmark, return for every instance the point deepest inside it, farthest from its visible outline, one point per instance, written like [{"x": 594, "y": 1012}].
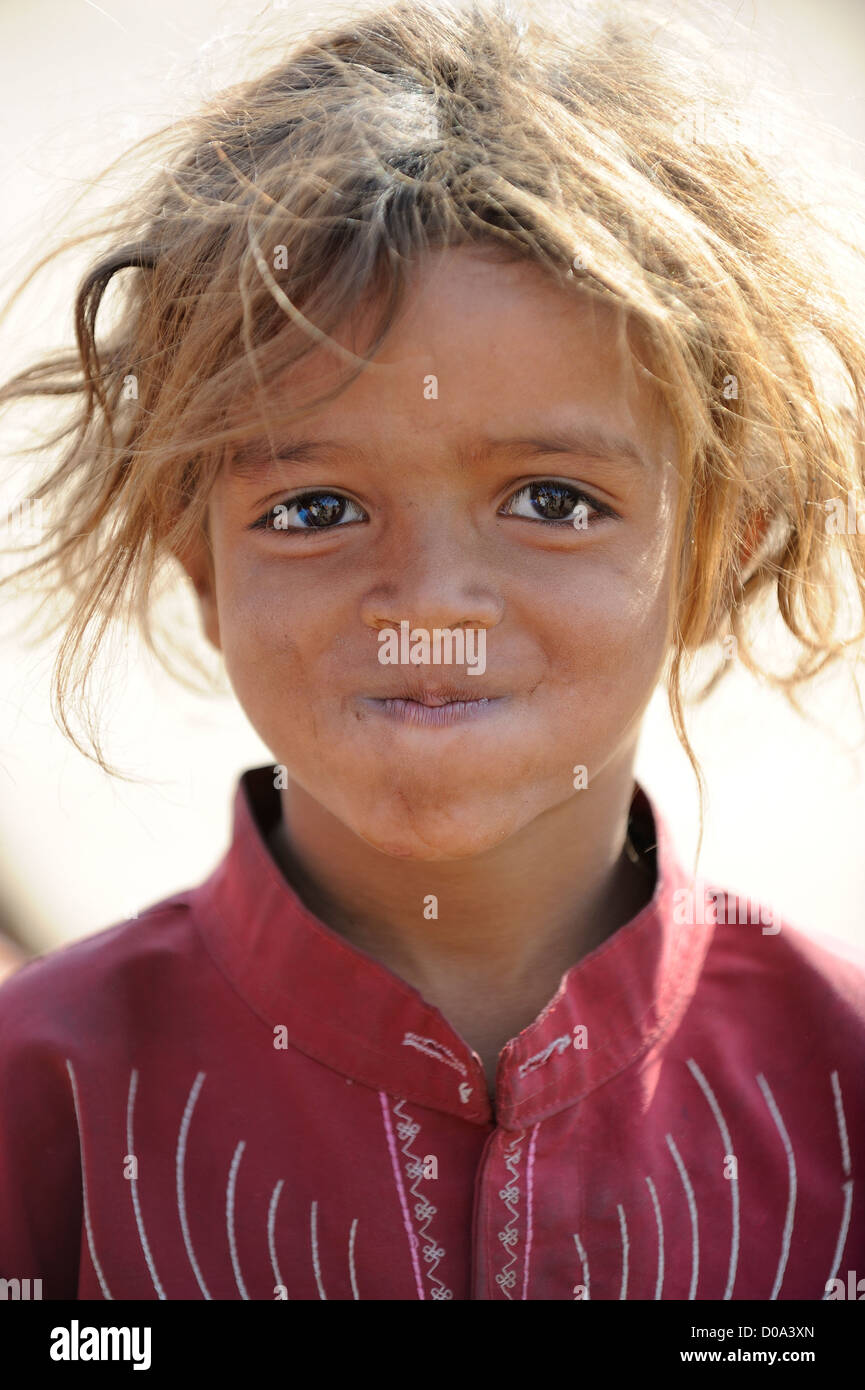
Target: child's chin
[{"x": 434, "y": 841}]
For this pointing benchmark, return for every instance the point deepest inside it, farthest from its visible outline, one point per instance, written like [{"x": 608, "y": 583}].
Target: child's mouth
[{"x": 435, "y": 708}]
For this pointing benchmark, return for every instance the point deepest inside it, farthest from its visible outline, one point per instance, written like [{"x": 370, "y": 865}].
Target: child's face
[{"x": 575, "y": 619}]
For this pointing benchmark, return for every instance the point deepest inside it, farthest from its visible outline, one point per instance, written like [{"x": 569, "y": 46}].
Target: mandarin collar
[{"x": 351, "y": 1013}]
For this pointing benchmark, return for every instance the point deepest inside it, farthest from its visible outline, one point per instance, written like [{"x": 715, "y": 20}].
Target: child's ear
[{"x": 197, "y": 560}]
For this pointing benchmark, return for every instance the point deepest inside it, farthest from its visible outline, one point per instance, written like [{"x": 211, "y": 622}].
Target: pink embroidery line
[
  {"x": 412, "y": 1238},
  {"x": 530, "y": 1166}
]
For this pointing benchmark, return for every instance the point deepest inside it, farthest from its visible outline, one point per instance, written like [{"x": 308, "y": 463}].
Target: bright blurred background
[{"x": 78, "y": 851}]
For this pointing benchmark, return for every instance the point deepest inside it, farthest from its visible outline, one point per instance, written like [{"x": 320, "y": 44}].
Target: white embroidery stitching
[
  {"x": 271, "y": 1228},
  {"x": 229, "y": 1218},
  {"x": 660, "y": 1225},
  {"x": 313, "y": 1237},
  {"x": 179, "y": 1162},
  {"x": 133, "y": 1182},
  {"x": 584, "y": 1262},
  {"x": 692, "y": 1209},
  {"x": 351, "y": 1268},
  {"x": 434, "y": 1049},
  {"x": 791, "y": 1184},
  {"x": 424, "y": 1211},
  {"x": 734, "y": 1181},
  {"x": 557, "y": 1045},
  {"x": 846, "y": 1187},
  {"x": 623, "y": 1294},
  {"x": 510, "y": 1195},
  {"x": 88, "y": 1227},
  {"x": 398, "y": 1183}
]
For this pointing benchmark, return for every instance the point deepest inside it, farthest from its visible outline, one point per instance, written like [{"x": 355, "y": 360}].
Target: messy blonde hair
[{"x": 556, "y": 133}]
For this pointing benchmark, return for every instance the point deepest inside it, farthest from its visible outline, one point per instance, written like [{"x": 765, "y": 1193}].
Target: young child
[{"x": 446, "y": 337}]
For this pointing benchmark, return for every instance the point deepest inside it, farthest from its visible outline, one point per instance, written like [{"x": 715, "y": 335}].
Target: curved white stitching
[
  {"x": 351, "y": 1268},
  {"x": 791, "y": 1184},
  {"x": 692, "y": 1208},
  {"x": 313, "y": 1235},
  {"x": 728, "y": 1149},
  {"x": 623, "y": 1225},
  {"x": 842, "y": 1123},
  {"x": 584, "y": 1262},
  {"x": 229, "y": 1218},
  {"x": 271, "y": 1228},
  {"x": 90, "y": 1242},
  {"x": 179, "y": 1162},
  {"x": 660, "y": 1224},
  {"x": 130, "y": 1149},
  {"x": 846, "y": 1187}
]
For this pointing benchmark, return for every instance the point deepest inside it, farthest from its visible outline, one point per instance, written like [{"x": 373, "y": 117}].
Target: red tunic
[{"x": 225, "y": 1100}]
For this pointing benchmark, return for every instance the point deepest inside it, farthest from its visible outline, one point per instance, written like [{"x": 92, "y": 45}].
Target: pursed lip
[
  {"x": 444, "y": 714},
  {"x": 434, "y": 706},
  {"x": 434, "y": 696}
]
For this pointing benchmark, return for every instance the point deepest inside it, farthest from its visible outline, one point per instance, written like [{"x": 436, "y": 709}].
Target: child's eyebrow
[
  {"x": 256, "y": 459},
  {"x": 259, "y": 457}
]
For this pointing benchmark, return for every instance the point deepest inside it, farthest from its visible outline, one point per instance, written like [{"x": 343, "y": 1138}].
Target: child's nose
[
  {"x": 432, "y": 608},
  {"x": 435, "y": 585},
  {"x": 437, "y": 573}
]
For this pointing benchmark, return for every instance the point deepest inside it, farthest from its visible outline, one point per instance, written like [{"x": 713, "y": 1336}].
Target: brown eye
[
  {"x": 553, "y": 502},
  {"x": 309, "y": 511}
]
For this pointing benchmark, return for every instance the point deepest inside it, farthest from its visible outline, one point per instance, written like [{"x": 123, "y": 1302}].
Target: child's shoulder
[
  {"x": 809, "y": 964},
  {"x": 831, "y": 963},
  {"x": 81, "y": 985}
]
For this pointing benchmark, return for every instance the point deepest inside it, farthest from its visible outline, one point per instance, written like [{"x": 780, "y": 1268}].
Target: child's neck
[{"x": 507, "y": 929}]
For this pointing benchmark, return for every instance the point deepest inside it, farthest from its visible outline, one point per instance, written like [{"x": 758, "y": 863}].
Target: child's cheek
[{"x": 272, "y": 636}]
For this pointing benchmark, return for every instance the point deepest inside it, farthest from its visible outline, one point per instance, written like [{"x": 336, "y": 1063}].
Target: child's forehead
[{"x": 478, "y": 337}]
